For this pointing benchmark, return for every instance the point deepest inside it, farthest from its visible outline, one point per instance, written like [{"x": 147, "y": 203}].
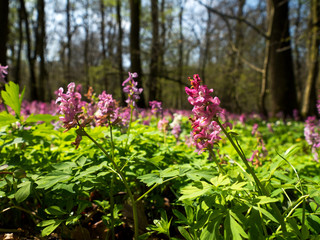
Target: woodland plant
[{"x": 214, "y": 193}]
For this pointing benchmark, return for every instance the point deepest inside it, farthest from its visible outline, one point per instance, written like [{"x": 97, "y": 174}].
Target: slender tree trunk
[
  {"x": 41, "y": 42},
  {"x": 31, "y": 60},
  {"x": 281, "y": 76},
  {"x": 86, "y": 44},
  {"x": 102, "y": 29},
  {"x": 162, "y": 45},
  {"x": 119, "y": 50},
  {"x": 180, "y": 53},
  {"x": 18, "y": 63},
  {"x": 69, "y": 36},
  {"x": 4, "y": 26},
  {"x": 310, "y": 94},
  {"x": 135, "y": 45},
  {"x": 266, "y": 62},
  {"x": 153, "y": 80}
]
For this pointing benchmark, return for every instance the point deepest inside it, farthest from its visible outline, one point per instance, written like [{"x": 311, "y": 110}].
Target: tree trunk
[
  {"x": 86, "y": 44},
  {"x": 102, "y": 29},
  {"x": 180, "y": 53},
  {"x": 18, "y": 62},
  {"x": 135, "y": 45},
  {"x": 119, "y": 50},
  {"x": 310, "y": 94},
  {"x": 68, "y": 47},
  {"x": 280, "y": 71},
  {"x": 4, "y": 26},
  {"x": 41, "y": 47},
  {"x": 153, "y": 80},
  {"x": 31, "y": 60}
]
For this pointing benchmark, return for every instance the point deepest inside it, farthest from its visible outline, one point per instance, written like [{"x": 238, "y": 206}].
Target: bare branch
[{"x": 224, "y": 16}]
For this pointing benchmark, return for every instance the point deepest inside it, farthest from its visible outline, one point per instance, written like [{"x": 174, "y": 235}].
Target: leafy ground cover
[{"x": 92, "y": 176}]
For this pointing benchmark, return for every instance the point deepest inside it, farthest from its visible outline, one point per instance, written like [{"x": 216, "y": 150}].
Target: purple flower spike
[
  {"x": 130, "y": 87},
  {"x": 108, "y": 112},
  {"x": 156, "y": 107},
  {"x": 70, "y": 106},
  {"x": 206, "y": 110}
]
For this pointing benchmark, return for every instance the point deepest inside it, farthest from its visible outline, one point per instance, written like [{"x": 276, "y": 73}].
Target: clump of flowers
[
  {"x": 176, "y": 125},
  {"x": 312, "y": 135},
  {"x": 163, "y": 124},
  {"x": 206, "y": 110},
  {"x": 156, "y": 107},
  {"x": 130, "y": 87},
  {"x": 3, "y": 71},
  {"x": 108, "y": 112},
  {"x": 70, "y": 106}
]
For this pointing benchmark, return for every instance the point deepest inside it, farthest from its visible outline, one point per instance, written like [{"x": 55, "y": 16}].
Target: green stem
[
  {"x": 122, "y": 178},
  {"x": 129, "y": 127},
  {"x": 221, "y": 170},
  {"x": 112, "y": 206},
  {"x": 261, "y": 188}
]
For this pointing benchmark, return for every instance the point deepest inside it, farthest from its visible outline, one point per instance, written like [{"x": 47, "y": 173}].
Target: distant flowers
[
  {"x": 312, "y": 135},
  {"x": 131, "y": 89},
  {"x": 3, "y": 71},
  {"x": 206, "y": 110}
]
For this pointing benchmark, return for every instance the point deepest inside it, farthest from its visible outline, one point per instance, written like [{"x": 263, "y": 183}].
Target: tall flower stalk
[
  {"x": 133, "y": 92},
  {"x": 207, "y": 128},
  {"x": 71, "y": 109}
]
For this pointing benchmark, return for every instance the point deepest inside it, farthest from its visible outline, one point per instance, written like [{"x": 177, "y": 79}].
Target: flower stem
[
  {"x": 261, "y": 188},
  {"x": 129, "y": 127},
  {"x": 122, "y": 178},
  {"x": 221, "y": 170}
]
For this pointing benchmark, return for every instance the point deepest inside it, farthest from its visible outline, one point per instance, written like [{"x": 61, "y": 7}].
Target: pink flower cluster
[
  {"x": 108, "y": 112},
  {"x": 3, "y": 70},
  {"x": 156, "y": 107},
  {"x": 131, "y": 89},
  {"x": 70, "y": 106},
  {"x": 312, "y": 135},
  {"x": 206, "y": 110}
]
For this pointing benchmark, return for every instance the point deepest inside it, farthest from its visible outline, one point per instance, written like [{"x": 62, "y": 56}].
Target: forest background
[{"x": 259, "y": 56}]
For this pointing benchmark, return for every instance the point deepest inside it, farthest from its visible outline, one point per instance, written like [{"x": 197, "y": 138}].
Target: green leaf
[
  {"x": 184, "y": 233},
  {"x": 41, "y": 118},
  {"x": 13, "y": 142},
  {"x": 49, "y": 181},
  {"x": 265, "y": 200},
  {"x": 50, "y": 228},
  {"x": 150, "y": 179},
  {"x": 6, "y": 119},
  {"x": 196, "y": 190},
  {"x": 55, "y": 210},
  {"x": 11, "y": 97},
  {"x": 23, "y": 192},
  {"x": 266, "y": 213},
  {"x": 236, "y": 229}
]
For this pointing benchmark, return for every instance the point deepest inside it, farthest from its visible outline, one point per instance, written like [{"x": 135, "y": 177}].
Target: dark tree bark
[
  {"x": 86, "y": 44},
  {"x": 135, "y": 45},
  {"x": 69, "y": 39},
  {"x": 180, "y": 53},
  {"x": 310, "y": 95},
  {"x": 280, "y": 71},
  {"x": 119, "y": 50},
  {"x": 18, "y": 61},
  {"x": 102, "y": 29},
  {"x": 153, "y": 80},
  {"x": 4, "y": 26},
  {"x": 41, "y": 48},
  {"x": 31, "y": 59}
]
